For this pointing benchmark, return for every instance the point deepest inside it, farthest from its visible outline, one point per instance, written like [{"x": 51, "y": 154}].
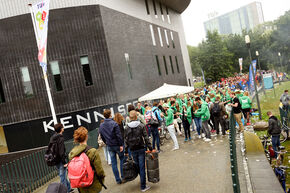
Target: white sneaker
[
  {"x": 207, "y": 140},
  {"x": 199, "y": 137},
  {"x": 176, "y": 148},
  {"x": 146, "y": 188},
  {"x": 203, "y": 135}
]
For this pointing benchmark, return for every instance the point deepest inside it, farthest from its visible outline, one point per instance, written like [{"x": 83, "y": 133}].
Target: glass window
[
  {"x": 160, "y": 37},
  {"x": 127, "y": 58},
  {"x": 166, "y": 37},
  {"x": 161, "y": 11},
  {"x": 177, "y": 65},
  {"x": 147, "y": 7},
  {"x": 168, "y": 17},
  {"x": 171, "y": 63},
  {"x": 86, "y": 70},
  {"x": 172, "y": 39},
  {"x": 158, "y": 65},
  {"x": 2, "y": 96},
  {"x": 56, "y": 75},
  {"x": 165, "y": 65},
  {"x": 152, "y": 35},
  {"x": 154, "y": 7},
  {"x": 27, "y": 86}
]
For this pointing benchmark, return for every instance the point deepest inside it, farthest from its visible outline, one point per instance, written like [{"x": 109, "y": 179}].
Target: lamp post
[
  {"x": 248, "y": 43},
  {"x": 279, "y": 54},
  {"x": 257, "y": 54}
]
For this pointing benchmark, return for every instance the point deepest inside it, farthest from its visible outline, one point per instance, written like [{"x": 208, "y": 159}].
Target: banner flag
[
  {"x": 254, "y": 63},
  {"x": 40, "y": 16},
  {"x": 251, "y": 81},
  {"x": 268, "y": 81},
  {"x": 241, "y": 64}
]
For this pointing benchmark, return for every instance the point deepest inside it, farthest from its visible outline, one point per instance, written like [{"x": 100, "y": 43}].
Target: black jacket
[
  {"x": 135, "y": 135},
  {"x": 274, "y": 128},
  {"x": 60, "y": 151}
]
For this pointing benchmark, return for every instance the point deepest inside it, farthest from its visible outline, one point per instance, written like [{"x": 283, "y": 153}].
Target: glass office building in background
[{"x": 246, "y": 17}]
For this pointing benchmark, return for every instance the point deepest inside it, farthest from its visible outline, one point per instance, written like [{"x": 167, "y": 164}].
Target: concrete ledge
[{"x": 262, "y": 176}]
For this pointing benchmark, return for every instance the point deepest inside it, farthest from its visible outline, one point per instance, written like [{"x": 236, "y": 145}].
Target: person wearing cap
[{"x": 170, "y": 126}]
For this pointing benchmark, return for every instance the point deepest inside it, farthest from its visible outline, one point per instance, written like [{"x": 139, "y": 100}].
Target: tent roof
[{"x": 167, "y": 90}]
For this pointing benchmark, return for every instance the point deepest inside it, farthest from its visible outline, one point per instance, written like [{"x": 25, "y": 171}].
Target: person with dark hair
[
  {"x": 237, "y": 109},
  {"x": 218, "y": 112},
  {"x": 274, "y": 130},
  {"x": 140, "y": 108},
  {"x": 61, "y": 157},
  {"x": 284, "y": 99},
  {"x": 204, "y": 113},
  {"x": 112, "y": 137}
]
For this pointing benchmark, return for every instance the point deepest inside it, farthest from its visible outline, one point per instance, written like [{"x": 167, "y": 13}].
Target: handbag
[{"x": 152, "y": 121}]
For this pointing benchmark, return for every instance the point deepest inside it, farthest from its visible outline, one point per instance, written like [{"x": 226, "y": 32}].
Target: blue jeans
[
  {"x": 113, "y": 150},
  {"x": 276, "y": 143},
  {"x": 62, "y": 174},
  {"x": 198, "y": 124},
  {"x": 156, "y": 139},
  {"x": 139, "y": 159}
]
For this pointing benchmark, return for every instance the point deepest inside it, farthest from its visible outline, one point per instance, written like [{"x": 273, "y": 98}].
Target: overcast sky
[{"x": 198, "y": 11}]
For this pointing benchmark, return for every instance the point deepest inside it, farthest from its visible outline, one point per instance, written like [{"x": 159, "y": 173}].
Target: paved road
[{"x": 198, "y": 167}]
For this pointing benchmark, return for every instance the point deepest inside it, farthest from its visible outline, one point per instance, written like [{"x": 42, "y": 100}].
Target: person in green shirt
[
  {"x": 141, "y": 108},
  {"x": 205, "y": 116},
  {"x": 246, "y": 106},
  {"x": 168, "y": 115}
]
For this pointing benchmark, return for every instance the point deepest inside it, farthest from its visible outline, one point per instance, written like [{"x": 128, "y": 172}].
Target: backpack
[
  {"x": 130, "y": 169},
  {"x": 56, "y": 188},
  {"x": 134, "y": 138},
  {"x": 216, "y": 109},
  {"x": 153, "y": 121},
  {"x": 80, "y": 171},
  {"x": 51, "y": 156}
]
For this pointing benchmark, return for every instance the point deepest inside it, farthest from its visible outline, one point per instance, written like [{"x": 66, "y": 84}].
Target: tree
[
  {"x": 193, "y": 55},
  {"x": 214, "y": 57}
]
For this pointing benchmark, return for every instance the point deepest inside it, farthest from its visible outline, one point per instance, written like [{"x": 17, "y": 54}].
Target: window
[
  {"x": 177, "y": 65},
  {"x": 86, "y": 70},
  {"x": 152, "y": 35},
  {"x": 166, "y": 37},
  {"x": 128, "y": 65},
  {"x": 26, "y": 82},
  {"x": 170, "y": 58},
  {"x": 161, "y": 11},
  {"x": 160, "y": 37},
  {"x": 172, "y": 39},
  {"x": 189, "y": 82},
  {"x": 158, "y": 65},
  {"x": 155, "y": 10},
  {"x": 2, "y": 97},
  {"x": 147, "y": 7},
  {"x": 165, "y": 65},
  {"x": 56, "y": 75},
  {"x": 168, "y": 17}
]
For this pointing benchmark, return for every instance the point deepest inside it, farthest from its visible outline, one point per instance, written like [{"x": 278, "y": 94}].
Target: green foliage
[{"x": 219, "y": 55}]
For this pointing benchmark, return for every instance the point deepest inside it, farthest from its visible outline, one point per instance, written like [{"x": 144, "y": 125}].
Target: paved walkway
[{"x": 198, "y": 167}]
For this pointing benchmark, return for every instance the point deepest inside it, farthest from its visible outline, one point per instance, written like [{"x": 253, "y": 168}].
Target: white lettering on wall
[
  {"x": 64, "y": 121},
  {"x": 85, "y": 119},
  {"x": 47, "y": 126},
  {"x": 121, "y": 109},
  {"x": 97, "y": 114}
]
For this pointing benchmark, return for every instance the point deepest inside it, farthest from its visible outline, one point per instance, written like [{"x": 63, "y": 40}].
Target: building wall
[
  {"x": 134, "y": 36},
  {"x": 80, "y": 33}
]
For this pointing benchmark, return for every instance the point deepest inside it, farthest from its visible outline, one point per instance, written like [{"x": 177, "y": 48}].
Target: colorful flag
[
  {"x": 40, "y": 16},
  {"x": 251, "y": 80}
]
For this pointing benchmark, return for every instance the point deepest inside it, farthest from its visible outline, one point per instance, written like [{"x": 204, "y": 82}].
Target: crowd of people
[{"x": 198, "y": 115}]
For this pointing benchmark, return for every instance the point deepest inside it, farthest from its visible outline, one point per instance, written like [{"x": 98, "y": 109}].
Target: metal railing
[
  {"x": 233, "y": 155},
  {"x": 29, "y": 172}
]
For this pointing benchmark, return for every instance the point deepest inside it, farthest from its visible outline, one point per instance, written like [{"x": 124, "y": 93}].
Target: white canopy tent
[{"x": 165, "y": 91}]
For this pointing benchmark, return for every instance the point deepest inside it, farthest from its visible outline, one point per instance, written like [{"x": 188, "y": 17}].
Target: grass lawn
[{"x": 270, "y": 102}]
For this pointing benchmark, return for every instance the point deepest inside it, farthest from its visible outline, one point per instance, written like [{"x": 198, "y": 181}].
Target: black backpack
[
  {"x": 51, "y": 156},
  {"x": 216, "y": 109},
  {"x": 130, "y": 169},
  {"x": 134, "y": 138},
  {"x": 56, "y": 188}
]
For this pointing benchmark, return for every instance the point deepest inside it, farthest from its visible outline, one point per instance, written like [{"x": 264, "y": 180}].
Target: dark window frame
[
  {"x": 2, "y": 95},
  {"x": 154, "y": 7},
  {"x": 177, "y": 64},
  {"x": 27, "y": 95},
  {"x": 147, "y": 7},
  {"x": 56, "y": 78},
  {"x": 129, "y": 66},
  {"x": 171, "y": 63},
  {"x": 87, "y": 72},
  {"x": 158, "y": 65},
  {"x": 165, "y": 65}
]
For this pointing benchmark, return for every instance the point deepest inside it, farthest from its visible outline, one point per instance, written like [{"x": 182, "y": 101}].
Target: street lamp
[
  {"x": 257, "y": 54},
  {"x": 248, "y": 43},
  {"x": 279, "y": 54}
]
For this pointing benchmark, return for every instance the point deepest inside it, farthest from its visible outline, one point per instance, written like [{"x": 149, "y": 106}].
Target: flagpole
[{"x": 44, "y": 73}]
